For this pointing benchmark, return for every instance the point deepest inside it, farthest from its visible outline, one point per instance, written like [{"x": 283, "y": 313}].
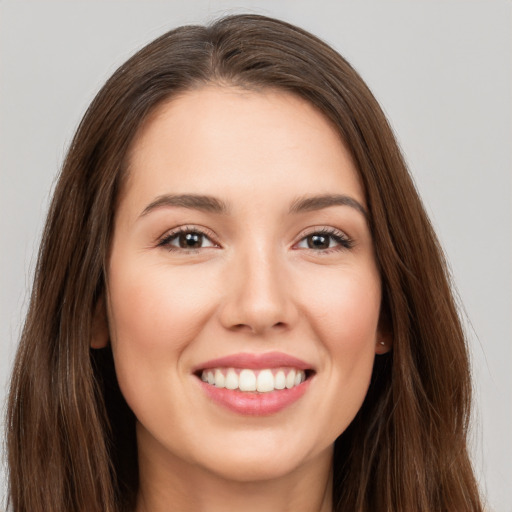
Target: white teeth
[
  {"x": 247, "y": 380},
  {"x": 220, "y": 380},
  {"x": 262, "y": 381},
  {"x": 280, "y": 380},
  {"x": 290, "y": 379},
  {"x": 265, "y": 381},
  {"x": 231, "y": 379}
]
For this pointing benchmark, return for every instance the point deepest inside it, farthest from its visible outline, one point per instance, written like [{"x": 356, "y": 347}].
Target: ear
[
  {"x": 383, "y": 344},
  {"x": 100, "y": 335},
  {"x": 384, "y": 341}
]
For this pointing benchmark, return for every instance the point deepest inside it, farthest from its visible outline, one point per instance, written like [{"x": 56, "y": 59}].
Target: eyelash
[
  {"x": 341, "y": 239},
  {"x": 169, "y": 237}
]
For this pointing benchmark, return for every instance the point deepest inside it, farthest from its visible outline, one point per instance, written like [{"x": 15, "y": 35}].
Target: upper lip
[{"x": 255, "y": 361}]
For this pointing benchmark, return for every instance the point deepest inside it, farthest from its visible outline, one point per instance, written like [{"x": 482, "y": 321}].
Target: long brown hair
[{"x": 71, "y": 441}]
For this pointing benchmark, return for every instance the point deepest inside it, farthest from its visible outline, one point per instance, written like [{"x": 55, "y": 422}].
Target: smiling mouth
[{"x": 248, "y": 380}]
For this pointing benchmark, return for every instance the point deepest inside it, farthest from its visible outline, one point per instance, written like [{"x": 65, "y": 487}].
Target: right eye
[{"x": 186, "y": 240}]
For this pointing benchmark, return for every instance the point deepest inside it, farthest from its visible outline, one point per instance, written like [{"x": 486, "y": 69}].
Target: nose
[{"x": 258, "y": 297}]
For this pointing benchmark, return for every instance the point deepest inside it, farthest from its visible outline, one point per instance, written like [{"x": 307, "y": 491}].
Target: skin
[{"x": 254, "y": 286}]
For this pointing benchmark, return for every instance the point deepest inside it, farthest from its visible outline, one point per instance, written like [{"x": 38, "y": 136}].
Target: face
[{"x": 243, "y": 293}]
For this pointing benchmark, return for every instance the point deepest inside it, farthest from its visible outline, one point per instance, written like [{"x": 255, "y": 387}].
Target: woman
[{"x": 239, "y": 300}]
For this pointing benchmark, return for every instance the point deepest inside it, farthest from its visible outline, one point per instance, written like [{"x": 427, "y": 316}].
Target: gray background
[{"x": 442, "y": 72}]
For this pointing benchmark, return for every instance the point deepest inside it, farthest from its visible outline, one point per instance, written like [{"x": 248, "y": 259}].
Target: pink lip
[
  {"x": 255, "y": 361},
  {"x": 253, "y": 403}
]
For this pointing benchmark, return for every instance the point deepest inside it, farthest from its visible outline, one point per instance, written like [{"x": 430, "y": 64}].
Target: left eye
[
  {"x": 322, "y": 241},
  {"x": 186, "y": 240}
]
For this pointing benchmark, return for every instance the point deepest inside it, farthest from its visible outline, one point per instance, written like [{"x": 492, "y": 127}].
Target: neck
[{"x": 170, "y": 484}]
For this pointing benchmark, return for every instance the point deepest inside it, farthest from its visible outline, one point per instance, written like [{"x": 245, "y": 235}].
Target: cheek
[
  {"x": 345, "y": 310},
  {"x": 154, "y": 315},
  {"x": 160, "y": 306},
  {"x": 345, "y": 318}
]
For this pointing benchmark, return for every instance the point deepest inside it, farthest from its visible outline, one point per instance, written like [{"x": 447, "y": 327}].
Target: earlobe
[
  {"x": 384, "y": 341},
  {"x": 383, "y": 344},
  {"x": 100, "y": 334}
]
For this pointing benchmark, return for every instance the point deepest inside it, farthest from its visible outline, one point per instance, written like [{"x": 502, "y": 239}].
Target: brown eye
[
  {"x": 190, "y": 240},
  {"x": 318, "y": 241},
  {"x": 186, "y": 240},
  {"x": 325, "y": 240}
]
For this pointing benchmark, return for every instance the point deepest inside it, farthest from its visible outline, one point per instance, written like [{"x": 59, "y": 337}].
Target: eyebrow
[
  {"x": 214, "y": 205},
  {"x": 312, "y": 203},
  {"x": 192, "y": 201}
]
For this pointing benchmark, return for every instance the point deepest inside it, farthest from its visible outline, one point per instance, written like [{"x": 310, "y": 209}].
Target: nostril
[
  {"x": 255, "y": 328},
  {"x": 241, "y": 327}
]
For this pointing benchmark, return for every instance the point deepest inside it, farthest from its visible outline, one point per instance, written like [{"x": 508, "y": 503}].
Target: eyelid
[
  {"x": 344, "y": 243},
  {"x": 162, "y": 241}
]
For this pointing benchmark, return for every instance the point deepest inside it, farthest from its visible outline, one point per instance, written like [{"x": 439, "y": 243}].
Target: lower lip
[{"x": 253, "y": 403}]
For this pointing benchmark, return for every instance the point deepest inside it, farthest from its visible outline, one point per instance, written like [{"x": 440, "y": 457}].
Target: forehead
[{"x": 220, "y": 140}]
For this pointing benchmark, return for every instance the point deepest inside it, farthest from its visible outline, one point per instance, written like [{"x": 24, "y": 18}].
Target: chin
[
  {"x": 257, "y": 462},
  {"x": 254, "y": 469}
]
